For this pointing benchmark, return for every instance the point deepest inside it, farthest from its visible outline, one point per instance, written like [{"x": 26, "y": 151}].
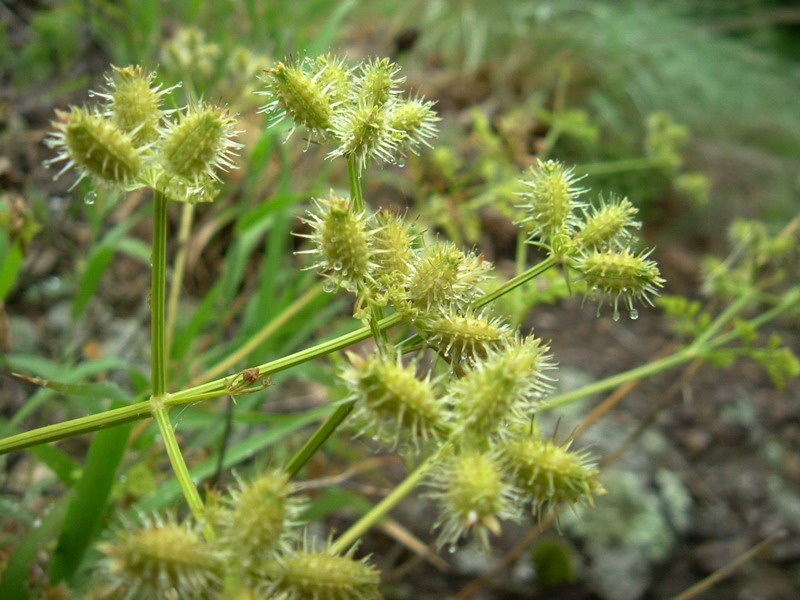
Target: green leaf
[
  {"x": 89, "y": 501},
  {"x": 10, "y": 266},
  {"x": 100, "y": 389}
]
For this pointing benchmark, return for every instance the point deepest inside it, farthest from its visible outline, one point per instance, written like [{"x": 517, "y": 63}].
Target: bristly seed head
[
  {"x": 333, "y": 75},
  {"x": 503, "y": 388},
  {"x": 612, "y": 275},
  {"x": 96, "y": 147},
  {"x": 414, "y": 122},
  {"x": 464, "y": 336},
  {"x": 309, "y": 575},
  {"x": 607, "y": 227},
  {"x": 391, "y": 402},
  {"x": 393, "y": 244},
  {"x": 378, "y": 82},
  {"x": 442, "y": 277},
  {"x": 162, "y": 559},
  {"x": 199, "y": 144},
  {"x": 133, "y": 101},
  {"x": 549, "y": 473},
  {"x": 550, "y": 203},
  {"x": 343, "y": 242},
  {"x": 473, "y": 496},
  {"x": 305, "y": 98},
  {"x": 364, "y": 133},
  {"x": 260, "y": 516}
]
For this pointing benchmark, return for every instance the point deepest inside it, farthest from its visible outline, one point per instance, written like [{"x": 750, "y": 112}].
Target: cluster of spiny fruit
[
  {"x": 472, "y": 410},
  {"x": 130, "y": 140}
]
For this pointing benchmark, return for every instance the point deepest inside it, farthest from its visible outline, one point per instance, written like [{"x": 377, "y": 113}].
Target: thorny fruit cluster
[{"x": 461, "y": 392}]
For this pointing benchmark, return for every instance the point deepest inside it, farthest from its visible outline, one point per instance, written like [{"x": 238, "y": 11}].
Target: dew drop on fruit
[
  {"x": 634, "y": 314},
  {"x": 90, "y": 198}
]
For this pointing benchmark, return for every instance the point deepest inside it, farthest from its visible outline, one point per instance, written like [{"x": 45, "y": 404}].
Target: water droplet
[
  {"x": 634, "y": 314},
  {"x": 90, "y": 198},
  {"x": 401, "y": 164},
  {"x": 337, "y": 266},
  {"x": 615, "y": 316},
  {"x": 92, "y": 94},
  {"x": 328, "y": 286},
  {"x": 451, "y": 548}
]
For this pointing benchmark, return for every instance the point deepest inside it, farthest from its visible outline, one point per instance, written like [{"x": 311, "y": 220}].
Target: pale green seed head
[
  {"x": 293, "y": 92},
  {"x": 97, "y": 148},
  {"x": 473, "y": 496},
  {"x": 162, "y": 559},
  {"x": 443, "y": 277},
  {"x": 378, "y": 82},
  {"x": 391, "y": 403},
  {"x": 198, "y": 144},
  {"x": 343, "y": 243},
  {"x": 134, "y": 103},
  {"x": 464, "y": 336},
  {"x": 549, "y": 204},
  {"x": 503, "y": 388},
  {"x": 414, "y": 122},
  {"x": 612, "y": 276},
  {"x": 608, "y": 226},
  {"x": 364, "y": 134},
  {"x": 310, "y": 575},
  {"x": 260, "y": 514},
  {"x": 550, "y": 473}
]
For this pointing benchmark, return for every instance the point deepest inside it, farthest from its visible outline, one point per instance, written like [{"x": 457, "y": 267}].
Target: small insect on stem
[{"x": 243, "y": 382}]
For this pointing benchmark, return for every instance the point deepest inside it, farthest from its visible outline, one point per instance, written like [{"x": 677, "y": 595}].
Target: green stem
[
  {"x": 158, "y": 296},
  {"x": 673, "y": 360},
  {"x": 190, "y": 492},
  {"x": 75, "y": 427},
  {"x": 380, "y": 510},
  {"x": 517, "y": 281},
  {"x": 356, "y": 193},
  {"x": 723, "y": 319},
  {"x": 213, "y": 389},
  {"x": 158, "y": 300},
  {"x": 313, "y": 444}
]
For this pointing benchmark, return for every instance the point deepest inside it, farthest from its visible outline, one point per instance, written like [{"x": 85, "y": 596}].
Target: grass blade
[{"x": 88, "y": 503}]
